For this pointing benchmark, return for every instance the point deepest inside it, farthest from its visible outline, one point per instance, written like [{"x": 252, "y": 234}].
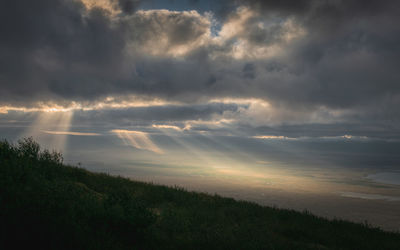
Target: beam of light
[
  {"x": 69, "y": 133},
  {"x": 208, "y": 161},
  {"x": 239, "y": 163},
  {"x": 285, "y": 148},
  {"x": 239, "y": 154},
  {"x": 307, "y": 171},
  {"x": 48, "y": 121},
  {"x": 244, "y": 172},
  {"x": 137, "y": 139},
  {"x": 212, "y": 162},
  {"x": 173, "y": 134},
  {"x": 236, "y": 165},
  {"x": 228, "y": 165}
]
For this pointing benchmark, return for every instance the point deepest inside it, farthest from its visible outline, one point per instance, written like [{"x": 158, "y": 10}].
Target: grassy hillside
[{"x": 50, "y": 205}]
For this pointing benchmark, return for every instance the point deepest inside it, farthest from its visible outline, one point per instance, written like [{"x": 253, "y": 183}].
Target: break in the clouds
[{"x": 266, "y": 62}]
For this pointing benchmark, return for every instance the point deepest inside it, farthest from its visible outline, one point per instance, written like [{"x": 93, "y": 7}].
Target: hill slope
[{"x": 47, "y": 204}]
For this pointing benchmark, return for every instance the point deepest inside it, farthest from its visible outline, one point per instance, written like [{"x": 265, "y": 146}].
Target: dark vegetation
[{"x": 48, "y": 205}]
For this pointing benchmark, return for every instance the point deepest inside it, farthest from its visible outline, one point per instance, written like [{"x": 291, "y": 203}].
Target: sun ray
[
  {"x": 137, "y": 139},
  {"x": 211, "y": 162},
  {"x": 172, "y": 134},
  {"x": 48, "y": 121}
]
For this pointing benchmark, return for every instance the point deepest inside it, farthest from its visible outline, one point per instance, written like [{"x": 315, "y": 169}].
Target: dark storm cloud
[
  {"x": 150, "y": 115},
  {"x": 249, "y": 70},
  {"x": 281, "y": 6},
  {"x": 49, "y": 48},
  {"x": 128, "y": 6},
  {"x": 329, "y": 8},
  {"x": 176, "y": 28},
  {"x": 57, "y": 50},
  {"x": 345, "y": 58}
]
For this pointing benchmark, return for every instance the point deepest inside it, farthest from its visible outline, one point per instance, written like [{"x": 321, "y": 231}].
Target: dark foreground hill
[{"x": 46, "y": 204}]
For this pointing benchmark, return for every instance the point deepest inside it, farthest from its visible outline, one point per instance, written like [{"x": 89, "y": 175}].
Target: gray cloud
[
  {"x": 149, "y": 115},
  {"x": 344, "y": 56},
  {"x": 49, "y": 48},
  {"x": 128, "y": 6},
  {"x": 145, "y": 116}
]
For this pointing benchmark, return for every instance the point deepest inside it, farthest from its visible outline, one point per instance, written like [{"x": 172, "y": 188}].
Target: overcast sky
[
  {"x": 260, "y": 68},
  {"x": 263, "y": 96}
]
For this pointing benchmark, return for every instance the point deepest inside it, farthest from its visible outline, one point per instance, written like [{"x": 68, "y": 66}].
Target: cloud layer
[{"x": 304, "y": 61}]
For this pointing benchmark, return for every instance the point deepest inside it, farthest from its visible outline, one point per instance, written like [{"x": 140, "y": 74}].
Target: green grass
[{"x": 46, "y": 204}]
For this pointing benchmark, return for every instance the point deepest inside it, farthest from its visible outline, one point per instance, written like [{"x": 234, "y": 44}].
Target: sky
[{"x": 293, "y": 95}]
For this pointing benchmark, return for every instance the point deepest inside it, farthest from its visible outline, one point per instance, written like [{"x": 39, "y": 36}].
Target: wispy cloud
[
  {"x": 282, "y": 137},
  {"x": 70, "y": 133},
  {"x": 274, "y": 137},
  {"x": 137, "y": 139},
  {"x": 164, "y": 126}
]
